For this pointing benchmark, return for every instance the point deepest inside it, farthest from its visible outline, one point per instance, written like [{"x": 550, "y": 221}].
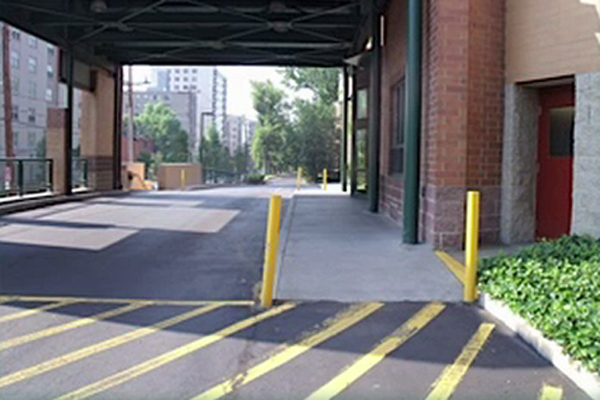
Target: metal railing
[
  {"x": 21, "y": 176},
  {"x": 217, "y": 176},
  {"x": 79, "y": 174}
]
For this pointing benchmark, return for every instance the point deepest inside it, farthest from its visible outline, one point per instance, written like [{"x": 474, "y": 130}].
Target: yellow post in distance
[
  {"x": 271, "y": 251},
  {"x": 325, "y": 179},
  {"x": 183, "y": 180},
  {"x": 299, "y": 179},
  {"x": 472, "y": 246}
]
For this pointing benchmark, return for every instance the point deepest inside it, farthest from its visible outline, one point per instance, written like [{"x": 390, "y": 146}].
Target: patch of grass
[
  {"x": 256, "y": 179},
  {"x": 555, "y": 285}
]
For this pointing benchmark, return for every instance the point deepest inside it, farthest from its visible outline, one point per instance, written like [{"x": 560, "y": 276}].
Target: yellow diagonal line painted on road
[
  {"x": 197, "y": 303},
  {"x": 446, "y": 384},
  {"x": 368, "y": 361},
  {"x": 80, "y": 354},
  {"x": 163, "y": 359},
  {"x": 33, "y": 311},
  {"x": 79, "y": 323},
  {"x": 288, "y": 353},
  {"x": 551, "y": 393}
]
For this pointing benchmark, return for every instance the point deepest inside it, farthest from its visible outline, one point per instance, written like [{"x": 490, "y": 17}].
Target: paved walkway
[{"x": 333, "y": 248}]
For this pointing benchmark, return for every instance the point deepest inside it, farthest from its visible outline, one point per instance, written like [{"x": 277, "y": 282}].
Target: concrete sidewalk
[{"x": 333, "y": 248}]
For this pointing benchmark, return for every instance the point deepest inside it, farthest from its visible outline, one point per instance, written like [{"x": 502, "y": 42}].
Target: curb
[{"x": 551, "y": 351}]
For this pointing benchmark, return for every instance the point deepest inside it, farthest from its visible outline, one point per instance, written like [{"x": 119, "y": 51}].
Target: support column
[
  {"x": 344, "y": 141},
  {"x": 412, "y": 150},
  {"x": 374, "y": 111},
  {"x": 68, "y": 143},
  {"x": 117, "y": 134},
  {"x": 353, "y": 152}
]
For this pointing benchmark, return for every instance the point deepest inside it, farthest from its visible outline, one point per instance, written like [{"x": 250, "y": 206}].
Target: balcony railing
[{"x": 23, "y": 176}]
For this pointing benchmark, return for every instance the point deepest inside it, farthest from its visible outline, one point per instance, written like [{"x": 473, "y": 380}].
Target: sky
[{"x": 239, "y": 98}]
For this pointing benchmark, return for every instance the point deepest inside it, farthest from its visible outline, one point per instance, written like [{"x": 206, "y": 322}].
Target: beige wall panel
[{"x": 551, "y": 38}]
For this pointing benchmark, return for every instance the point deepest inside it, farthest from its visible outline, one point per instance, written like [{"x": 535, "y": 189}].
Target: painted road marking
[
  {"x": 33, "y": 311},
  {"x": 197, "y": 303},
  {"x": 18, "y": 341},
  {"x": 368, "y": 361},
  {"x": 166, "y": 358},
  {"x": 288, "y": 353},
  {"x": 551, "y": 393},
  {"x": 447, "y": 382},
  {"x": 77, "y": 355}
]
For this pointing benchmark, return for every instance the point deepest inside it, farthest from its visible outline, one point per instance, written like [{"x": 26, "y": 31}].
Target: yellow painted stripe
[
  {"x": 451, "y": 377},
  {"x": 33, "y": 311},
  {"x": 192, "y": 303},
  {"x": 288, "y": 353},
  {"x": 551, "y": 393},
  {"x": 77, "y": 355},
  {"x": 163, "y": 359},
  {"x": 79, "y": 323},
  {"x": 453, "y": 265},
  {"x": 368, "y": 361}
]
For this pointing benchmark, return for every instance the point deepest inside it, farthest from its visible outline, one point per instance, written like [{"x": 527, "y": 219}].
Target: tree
[
  {"x": 160, "y": 124},
  {"x": 267, "y": 149},
  {"x": 269, "y": 103},
  {"x": 216, "y": 155},
  {"x": 241, "y": 159},
  {"x": 323, "y": 82}
]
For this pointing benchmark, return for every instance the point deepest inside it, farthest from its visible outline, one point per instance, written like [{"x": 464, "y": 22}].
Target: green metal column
[
  {"x": 412, "y": 150},
  {"x": 68, "y": 152},
  {"x": 374, "y": 111},
  {"x": 344, "y": 141},
  {"x": 353, "y": 142}
]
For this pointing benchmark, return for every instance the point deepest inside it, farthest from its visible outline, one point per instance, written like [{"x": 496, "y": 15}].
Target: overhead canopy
[{"x": 213, "y": 32}]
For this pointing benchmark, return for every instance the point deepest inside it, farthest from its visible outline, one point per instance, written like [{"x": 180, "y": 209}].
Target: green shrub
[
  {"x": 556, "y": 287},
  {"x": 256, "y": 179}
]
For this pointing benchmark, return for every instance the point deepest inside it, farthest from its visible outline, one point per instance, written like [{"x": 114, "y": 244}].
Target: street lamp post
[{"x": 131, "y": 113}]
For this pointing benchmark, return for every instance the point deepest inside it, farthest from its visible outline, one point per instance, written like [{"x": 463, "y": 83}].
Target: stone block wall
[{"x": 586, "y": 185}]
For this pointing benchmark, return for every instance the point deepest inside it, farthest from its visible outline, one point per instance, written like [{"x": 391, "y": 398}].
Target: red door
[{"x": 555, "y": 160}]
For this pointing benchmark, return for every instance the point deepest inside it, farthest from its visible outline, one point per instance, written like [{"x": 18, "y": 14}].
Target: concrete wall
[
  {"x": 546, "y": 39},
  {"x": 169, "y": 175},
  {"x": 518, "y": 216},
  {"x": 586, "y": 185}
]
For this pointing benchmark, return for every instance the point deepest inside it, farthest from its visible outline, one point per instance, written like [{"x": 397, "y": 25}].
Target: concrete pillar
[
  {"x": 97, "y": 131},
  {"x": 586, "y": 167},
  {"x": 55, "y": 148},
  {"x": 519, "y": 165}
]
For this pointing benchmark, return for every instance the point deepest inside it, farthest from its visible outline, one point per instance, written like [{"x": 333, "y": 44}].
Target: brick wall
[{"x": 463, "y": 86}]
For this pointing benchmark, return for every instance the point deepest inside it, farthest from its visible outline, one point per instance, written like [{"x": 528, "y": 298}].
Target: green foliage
[
  {"x": 160, "y": 124},
  {"x": 241, "y": 159},
  {"x": 267, "y": 147},
  {"x": 323, "y": 82},
  {"x": 216, "y": 155},
  {"x": 256, "y": 179},
  {"x": 556, "y": 287},
  {"x": 269, "y": 103}
]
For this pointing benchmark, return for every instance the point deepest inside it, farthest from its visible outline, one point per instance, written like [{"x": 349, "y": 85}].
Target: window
[
  {"x": 185, "y": 87},
  {"x": 51, "y": 51},
  {"x": 32, "y": 65},
  {"x": 194, "y": 79},
  {"x": 31, "y": 139},
  {"x": 185, "y": 79},
  {"x": 398, "y": 121},
  {"x": 15, "y": 59},
  {"x": 32, "y": 90},
  {"x": 15, "y": 85},
  {"x": 16, "y": 35},
  {"x": 32, "y": 41},
  {"x": 185, "y": 71},
  {"x": 31, "y": 115},
  {"x": 50, "y": 70},
  {"x": 49, "y": 94},
  {"x": 562, "y": 122},
  {"x": 166, "y": 97},
  {"x": 16, "y": 138},
  {"x": 176, "y": 79},
  {"x": 362, "y": 104},
  {"x": 176, "y": 87},
  {"x": 15, "y": 113},
  {"x": 193, "y": 87}
]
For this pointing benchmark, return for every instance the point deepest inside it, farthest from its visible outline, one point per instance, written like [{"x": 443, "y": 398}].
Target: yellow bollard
[
  {"x": 472, "y": 246},
  {"x": 325, "y": 179},
  {"x": 183, "y": 180},
  {"x": 271, "y": 251},
  {"x": 299, "y": 179}
]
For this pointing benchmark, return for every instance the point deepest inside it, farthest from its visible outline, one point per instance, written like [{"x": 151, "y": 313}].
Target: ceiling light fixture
[{"x": 98, "y": 6}]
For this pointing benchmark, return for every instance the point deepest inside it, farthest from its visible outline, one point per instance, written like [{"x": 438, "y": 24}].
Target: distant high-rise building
[
  {"x": 239, "y": 131},
  {"x": 210, "y": 89},
  {"x": 34, "y": 75}
]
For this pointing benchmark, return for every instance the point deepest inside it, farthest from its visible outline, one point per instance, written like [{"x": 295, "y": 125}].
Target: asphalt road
[{"x": 70, "y": 328}]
